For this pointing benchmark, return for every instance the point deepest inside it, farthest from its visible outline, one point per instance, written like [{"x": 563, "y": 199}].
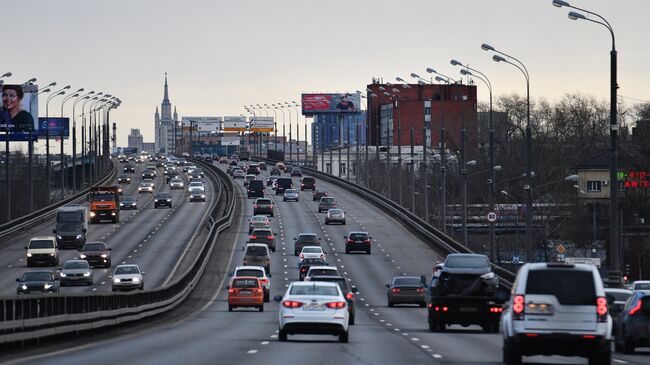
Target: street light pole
[
  {"x": 47, "y": 139},
  {"x": 62, "y": 161}
]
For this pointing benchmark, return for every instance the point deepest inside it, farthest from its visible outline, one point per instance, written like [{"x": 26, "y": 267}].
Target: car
[
  {"x": 305, "y": 239},
  {"x": 152, "y": 167},
  {"x": 280, "y": 166},
  {"x": 245, "y": 291},
  {"x": 42, "y": 250},
  {"x": 282, "y": 184},
  {"x": 171, "y": 175},
  {"x": 616, "y": 299},
  {"x": 641, "y": 285},
  {"x": 146, "y": 187},
  {"x": 347, "y": 290},
  {"x": 162, "y": 199},
  {"x": 257, "y": 254},
  {"x": 263, "y": 235},
  {"x": 325, "y": 203},
  {"x": 127, "y": 277},
  {"x": 37, "y": 281},
  {"x": 312, "y": 252},
  {"x": 75, "y": 272},
  {"x": 139, "y": 160},
  {"x": 557, "y": 309},
  {"x": 296, "y": 172},
  {"x": 258, "y": 272},
  {"x": 291, "y": 194},
  {"x": 223, "y": 159},
  {"x": 197, "y": 179},
  {"x": 633, "y": 326},
  {"x": 319, "y": 193},
  {"x": 124, "y": 179},
  {"x": 304, "y": 265},
  {"x": 238, "y": 174},
  {"x": 148, "y": 175},
  {"x": 248, "y": 179},
  {"x": 197, "y": 196},
  {"x": 188, "y": 168},
  {"x": 288, "y": 169},
  {"x": 262, "y": 166},
  {"x": 196, "y": 186},
  {"x": 358, "y": 241},
  {"x": 176, "y": 184},
  {"x": 253, "y": 169},
  {"x": 233, "y": 162},
  {"x": 207, "y": 157},
  {"x": 128, "y": 202},
  {"x": 255, "y": 189},
  {"x": 198, "y": 172},
  {"x": 258, "y": 221},
  {"x": 96, "y": 253},
  {"x": 270, "y": 180},
  {"x": 308, "y": 183},
  {"x": 335, "y": 215},
  {"x": 275, "y": 172},
  {"x": 128, "y": 168},
  {"x": 321, "y": 270},
  {"x": 263, "y": 206},
  {"x": 406, "y": 290},
  {"x": 313, "y": 308},
  {"x": 242, "y": 165}
]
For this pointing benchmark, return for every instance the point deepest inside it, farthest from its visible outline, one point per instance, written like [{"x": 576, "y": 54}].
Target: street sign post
[{"x": 492, "y": 217}]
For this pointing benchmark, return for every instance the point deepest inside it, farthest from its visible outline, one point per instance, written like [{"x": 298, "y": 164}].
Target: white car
[
  {"x": 313, "y": 308},
  {"x": 127, "y": 277},
  {"x": 146, "y": 187},
  {"x": 321, "y": 271},
  {"x": 176, "y": 184},
  {"x": 557, "y": 309},
  {"x": 641, "y": 285},
  {"x": 312, "y": 252},
  {"x": 258, "y": 272},
  {"x": 197, "y": 187}
]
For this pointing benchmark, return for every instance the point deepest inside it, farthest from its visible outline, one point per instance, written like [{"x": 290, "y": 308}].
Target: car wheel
[
  {"x": 628, "y": 346},
  {"x": 282, "y": 336},
  {"x": 351, "y": 321},
  {"x": 230, "y": 307},
  {"x": 113, "y": 289},
  {"x": 344, "y": 337},
  {"x": 510, "y": 354},
  {"x": 343, "y": 222},
  {"x": 369, "y": 251},
  {"x": 267, "y": 297},
  {"x": 347, "y": 251},
  {"x": 602, "y": 356},
  {"x": 261, "y": 308},
  {"x": 391, "y": 304}
]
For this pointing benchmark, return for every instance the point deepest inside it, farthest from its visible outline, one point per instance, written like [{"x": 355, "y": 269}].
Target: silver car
[
  {"x": 75, "y": 272},
  {"x": 335, "y": 215},
  {"x": 176, "y": 184},
  {"x": 146, "y": 187},
  {"x": 127, "y": 277},
  {"x": 291, "y": 194}
]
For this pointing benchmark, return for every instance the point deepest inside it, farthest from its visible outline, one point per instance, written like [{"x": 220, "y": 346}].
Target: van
[
  {"x": 282, "y": 184},
  {"x": 42, "y": 250},
  {"x": 71, "y": 226},
  {"x": 308, "y": 183},
  {"x": 257, "y": 254},
  {"x": 255, "y": 188}
]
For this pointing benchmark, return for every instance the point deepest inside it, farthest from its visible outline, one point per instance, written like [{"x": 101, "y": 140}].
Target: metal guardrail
[
  {"x": 46, "y": 315},
  {"x": 436, "y": 239},
  {"x": 45, "y": 213}
]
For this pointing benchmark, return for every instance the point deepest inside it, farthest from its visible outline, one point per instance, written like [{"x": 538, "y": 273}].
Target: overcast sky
[{"x": 220, "y": 55}]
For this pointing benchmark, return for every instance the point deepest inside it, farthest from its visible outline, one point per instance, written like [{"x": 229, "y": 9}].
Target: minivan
[
  {"x": 42, "y": 250},
  {"x": 257, "y": 254},
  {"x": 255, "y": 189},
  {"x": 308, "y": 183},
  {"x": 283, "y": 183}
]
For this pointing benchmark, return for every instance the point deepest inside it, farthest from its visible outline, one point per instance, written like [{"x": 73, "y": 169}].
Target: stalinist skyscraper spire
[{"x": 164, "y": 126}]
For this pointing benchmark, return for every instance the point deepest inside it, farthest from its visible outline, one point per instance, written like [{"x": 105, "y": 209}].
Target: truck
[
  {"x": 244, "y": 155},
  {"x": 104, "y": 203},
  {"x": 71, "y": 226},
  {"x": 464, "y": 290}
]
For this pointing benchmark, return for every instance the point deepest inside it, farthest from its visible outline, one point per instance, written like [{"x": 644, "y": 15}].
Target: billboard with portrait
[
  {"x": 331, "y": 103},
  {"x": 19, "y": 112},
  {"x": 55, "y": 126}
]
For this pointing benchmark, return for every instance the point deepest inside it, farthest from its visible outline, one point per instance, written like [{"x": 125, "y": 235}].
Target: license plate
[
  {"x": 245, "y": 292},
  {"x": 314, "y": 307},
  {"x": 468, "y": 309}
]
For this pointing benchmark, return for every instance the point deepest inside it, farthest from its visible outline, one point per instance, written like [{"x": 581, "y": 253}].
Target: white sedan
[
  {"x": 127, "y": 277},
  {"x": 317, "y": 308},
  {"x": 146, "y": 187},
  {"x": 312, "y": 252}
]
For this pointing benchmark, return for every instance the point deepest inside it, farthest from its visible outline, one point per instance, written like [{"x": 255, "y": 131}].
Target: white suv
[{"x": 557, "y": 309}]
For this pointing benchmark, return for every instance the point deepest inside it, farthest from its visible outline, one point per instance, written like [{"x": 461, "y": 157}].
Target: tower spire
[{"x": 166, "y": 96}]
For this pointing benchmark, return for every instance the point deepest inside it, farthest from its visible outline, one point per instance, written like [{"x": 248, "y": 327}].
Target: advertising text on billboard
[{"x": 330, "y": 103}]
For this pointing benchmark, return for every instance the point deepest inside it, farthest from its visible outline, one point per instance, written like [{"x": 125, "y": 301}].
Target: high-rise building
[
  {"x": 136, "y": 140},
  {"x": 164, "y": 124}
]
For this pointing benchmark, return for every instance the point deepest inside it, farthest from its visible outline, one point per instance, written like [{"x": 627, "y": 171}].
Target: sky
[{"x": 221, "y": 55}]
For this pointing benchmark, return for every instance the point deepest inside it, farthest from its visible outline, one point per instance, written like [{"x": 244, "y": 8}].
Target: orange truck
[{"x": 104, "y": 202}]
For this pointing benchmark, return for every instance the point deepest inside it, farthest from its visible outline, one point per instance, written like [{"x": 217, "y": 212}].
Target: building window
[
  {"x": 342, "y": 172},
  {"x": 427, "y": 111},
  {"x": 593, "y": 186},
  {"x": 328, "y": 168}
]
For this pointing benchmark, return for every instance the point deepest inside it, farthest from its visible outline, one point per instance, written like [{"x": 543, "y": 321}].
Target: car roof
[
  {"x": 333, "y": 268},
  {"x": 256, "y": 245},
  {"x": 73, "y": 260},
  {"x": 128, "y": 265},
  {"x": 558, "y": 265},
  {"x": 357, "y": 232},
  {"x": 38, "y": 271},
  {"x": 244, "y": 267},
  {"x": 618, "y": 290},
  {"x": 313, "y": 283},
  {"x": 42, "y": 238},
  {"x": 318, "y": 247}
]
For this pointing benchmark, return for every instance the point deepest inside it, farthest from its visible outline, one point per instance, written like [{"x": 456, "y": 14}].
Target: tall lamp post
[
  {"x": 62, "y": 161},
  {"x": 528, "y": 186},
  {"x": 614, "y": 264},
  {"x": 47, "y": 139},
  {"x": 30, "y": 170}
]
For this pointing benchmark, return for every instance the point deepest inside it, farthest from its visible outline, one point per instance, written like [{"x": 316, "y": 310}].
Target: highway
[
  {"x": 152, "y": 238},
  {"x": 381, "y": 335}
]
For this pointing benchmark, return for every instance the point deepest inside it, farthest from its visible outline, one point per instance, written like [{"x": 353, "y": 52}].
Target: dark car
[
  {"x": 288, "y": 169},
  {"x": 148, "y": 175},
  {"x": 162, "y": 199},
  {"x": 308, "y": 183},
  {"x": 633, "y": 325},
  {"x": 197, "y": 196},
  {"x": 345, "y": 288},
  {"x": 296, "y": 172},
  {"x": 96, "y": 253},
  {"x": 406, "y": 290},
  {"x": 270, "y": 180},
  {"x": 255, "y": 189},
  {"x": 41, "y": 281},
  {"x": 253, "y": 169},
  {"x": 124, "y": 179},
  {"x": 305, "y": 264},
  {"x": 305, "y": 239},
  {"x": 171, "y": 175},
  {"x": 616, "y": 299},
  {"x": 262, "y": 166},
  {"x": 326, "y": 203},
  {"x": 128, "y": 202},
  {"x": 247, "y": 179},
  {"x": 282, "y": 184},
  {"x": 263, "y": 235},
  {"x": 263, "y": 206},
  {"x": 319, "y": 193},
  {"x": 129, "y": 168},
  {"x": 358, "y": 241},
  {"x": 275, "y": 171}
]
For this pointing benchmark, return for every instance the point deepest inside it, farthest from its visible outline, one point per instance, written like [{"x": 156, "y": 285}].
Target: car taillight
[
  {"x": 438, "y": 309},
  {"x": 420, "y": 290},
  {"x": 395, "y": 290},
  {"x": 518, "y": 307},
  {"x": 601, "y": 309},
  {"x": 350, "y": 241},
  {"x": 252, "y": 237},
  {"x": 303, "y": 269},
  {"x": 302, "y": 184},
  {"x": 366, "y": 241},
  {"x": 269, "y": 237},
  {"x": 301, "y": 256},
  {"x": 349, "y": 295},
  {"x": 264, "y": 281},
  {"x": 335, "y": 305},
  {"x": 292, "y": 304},
  {"x": 231, "y": 290},
  {"x": 254, "y": 205},
  {"x": 636, "y": 308},
  {"x": 496, "y": 309}
]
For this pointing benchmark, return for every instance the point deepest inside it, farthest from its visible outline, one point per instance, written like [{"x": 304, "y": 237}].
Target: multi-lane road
[{"x": 381, "y": 335}]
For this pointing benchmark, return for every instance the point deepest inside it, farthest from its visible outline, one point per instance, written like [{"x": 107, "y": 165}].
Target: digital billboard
[
  {"x": 55, "y": 125},
  {"x": 234, "y": 124},
  {"x": 19, "y": 112},
  {"x": 330, "y": 103},
  {"x": 262, "y": 124}
]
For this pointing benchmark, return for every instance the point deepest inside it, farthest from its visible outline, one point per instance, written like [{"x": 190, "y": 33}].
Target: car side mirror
[
  {"x": 231, "y": 274},
  {"x": 26, "y": 248},
  {"x": 423, "y": 279},
  {"x": 54, "y": 231},
  {"x": 388, "y": 285},
  {"x": 369, "y": 237},
  {"x": 227, "y": 286},
  {"x": 18, "y": 280},
  {"x": 243, "y": 248},
  {"x": 275, "y": 234},
  {"x": 269, "y": 275},
  {"x": 295, "y": 239},
  {"x": 345, "y": 237},
  {"x": 84, "y": 230},
  {"x": 319, "y": 239},
  {"x": 355, "y": 290},
  {"x": 325, "y": 252},
  {"x": 142, "y": 273},
  {"x": 58, "y": 268},
  {"x": 109, "y": 249},
  {"x": 277, "y": 298}
]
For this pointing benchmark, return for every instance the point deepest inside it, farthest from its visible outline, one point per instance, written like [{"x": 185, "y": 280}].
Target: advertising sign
[
  {"x": 22, "y": 102},
  {"x": 262, "y": 124},
  {"x": 330, "y": 103},
  {"x": 54, "y": 125},
  {"x": 203, "y": 124},
  {"x": 230, "y": 140},
  {"x": 234, "y": 124}
]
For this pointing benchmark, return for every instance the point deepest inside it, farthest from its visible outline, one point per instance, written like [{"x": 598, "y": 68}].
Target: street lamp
[
  {"x": 62, "y": 159},
  {"x": 32, "y": 80},
  {"x": 74, "y": 139},
  {"x": 614, "y": 264},
  {"x": 6, "y": 74},
  {"x": 469, "y": 163},
  {"x": 47, "y": 138}
]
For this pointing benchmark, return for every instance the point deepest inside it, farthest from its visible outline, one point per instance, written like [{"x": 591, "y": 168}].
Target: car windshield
[
  {"x": 250, "y": 272},
  {"x": 642, "y": 286},
  {"x": 315, "y": 272},
  {"x": 75, "y": 265},
  {"x": 618, "y": 296},
  {"x": 336, "y": 211},
  {"x": 37, "y": 276},
  {"x": 312, "y": 250},
  {"x": 175, "y": 181},
  {"x": 406, "y": 281},
  {"x": 94, "y": 247},
  {"x": 68, "y": 226},
  {"x": 256, "y": 251},
  {"x": 343, "y": 285},
  {"x": 291, "y": 191},
  {"x": 308, "y": 238},
  {"x": 313, "y": 290},
  {"x": 128, "y": 199},
  {"x": 245, "y": 283},
  {"x": 41, "y": 244},
  {"x": 163, "y": 195},
  {"x": 195, "y": 184},
  {"x": 263, "y": 201},
  {"x": 121, "y": 270},
  {"x": 467, "y": 261},
  {"x": 358, "y": 236},
  {"x": 570, "y": 287},
  {"x": 144, "y": 185},
  {"x": 327, "y": 200}
]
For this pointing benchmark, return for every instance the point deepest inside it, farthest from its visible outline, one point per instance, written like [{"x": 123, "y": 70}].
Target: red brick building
[{"x": 423, "y": 106}]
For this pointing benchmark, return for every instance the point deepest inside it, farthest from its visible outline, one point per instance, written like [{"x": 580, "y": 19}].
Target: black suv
[
  {"x": 305, "y": 239},
  {"x": 41, "y": 281},
  {"x": 255, "y": 189},
  {"x": 308, "y": 183},
  {"x": 129, "y": 168},
  {"x": 358, "y": 241},
  {"x": 162, "y": 199},
  {"x": 148, "y": 175},
  {"x": 282, "y": 184},
  {"x": 263, "y": 206}
]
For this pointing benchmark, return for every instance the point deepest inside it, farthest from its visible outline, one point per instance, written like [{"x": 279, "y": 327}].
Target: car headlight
[
  {"x": 92, "y": 214},
  {"x": 488, "y": 276},
  {"x": 87, "y": 273},
  {"x": 47, "y": 286},
  {"x": 202, "y": 195},
  {"x": 78, "y": 236},
  {"x": 23, "y": 287},
  {"x": 155, "y": 200},
  {"x": 29, "y": 254},
  {"x": 169, "y": 200},
  {"x": 116, "y": 280},
  {"x": 58, "y": 237},
  {"x": 136, "y": 280},
  {"x": 62, "y": 275},
  {"x": 82, "y": 256},
  {"x": 104, "y": 255},
  {"x": 52, "y": 254},
  {"x": 112, "y": 213}
]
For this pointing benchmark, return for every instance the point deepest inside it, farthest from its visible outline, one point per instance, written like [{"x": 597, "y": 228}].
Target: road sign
[
  {"x": 560, "y": 249},
  {"x": 492, "y": 217}
]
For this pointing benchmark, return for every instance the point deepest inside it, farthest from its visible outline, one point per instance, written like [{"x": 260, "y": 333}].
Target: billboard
[
  {"x": 19, "y": 112},
  {"x": 234, "y": 124},
  {"x": 230, "y": 140},
  {"x": 54, "y": 125},
  {"x": 262, "y": 124},
  {"x": 203, "y": 124},
  {"x": 330, "y": 103}
]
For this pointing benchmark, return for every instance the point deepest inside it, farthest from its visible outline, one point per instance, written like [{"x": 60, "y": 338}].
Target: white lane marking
[
  {"x": 264, "y": 343},
  {"x": 424, "y": 346},
  {"x": 620, "y": 361},
  {"x": 437, "y": 356},
  {"x": 252, "y": 351},
  {"x": 415, "y": 339}
]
